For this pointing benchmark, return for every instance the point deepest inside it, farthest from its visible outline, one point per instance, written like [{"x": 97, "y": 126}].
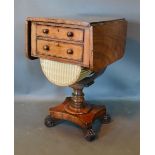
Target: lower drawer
[{"x": 60, "y": 49}]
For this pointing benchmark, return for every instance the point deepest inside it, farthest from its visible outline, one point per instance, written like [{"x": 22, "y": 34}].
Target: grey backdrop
[{"x": 121, "y": 79}]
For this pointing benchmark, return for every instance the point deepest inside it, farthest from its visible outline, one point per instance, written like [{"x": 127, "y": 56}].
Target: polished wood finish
[
  {"x": 76, "y": 110},
  {"x": 84, "y": 120},
  {"x": 103, "y": 39},
  {"x": 82, "y": 21},
  {"x": 57, "y": 32},
  {"x": 108, "y": 43},
  {"x": 59, "y": 50},
  {"x": 93, "y": 43}
]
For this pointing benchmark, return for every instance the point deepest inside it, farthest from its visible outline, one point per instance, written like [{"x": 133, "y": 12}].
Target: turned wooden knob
[
  {"x": 69, "y": 51},
  {"x": 45, "y": 31},
  {"x": 46, "y": 47},
  {"x": 70, "y": 34}
]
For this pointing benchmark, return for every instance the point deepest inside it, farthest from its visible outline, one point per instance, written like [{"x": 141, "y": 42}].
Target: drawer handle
[
  {"x": 45, "y": 31},
  {"x": 46, "y": 47},
  {"x": 70, "y": 34},
  {"x": 69, "y": 51}
]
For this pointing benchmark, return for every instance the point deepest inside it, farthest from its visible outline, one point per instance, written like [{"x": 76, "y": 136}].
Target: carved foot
[
  {"x": 49, "y": 121},
  {"x": 105, "y": 119},
  {"x": 89, "y": 134}
]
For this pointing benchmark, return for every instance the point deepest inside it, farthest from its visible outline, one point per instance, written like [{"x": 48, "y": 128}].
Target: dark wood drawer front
[
  {"x": 60, "y": 33},
  {"x": 60, "y": 50}
]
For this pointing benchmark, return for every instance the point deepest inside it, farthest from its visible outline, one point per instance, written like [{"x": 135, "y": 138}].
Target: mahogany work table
[{"x": 87, "y": 44}]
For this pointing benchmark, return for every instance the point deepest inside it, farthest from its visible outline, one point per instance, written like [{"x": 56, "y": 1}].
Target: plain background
[{"x": 121, "y": 79}]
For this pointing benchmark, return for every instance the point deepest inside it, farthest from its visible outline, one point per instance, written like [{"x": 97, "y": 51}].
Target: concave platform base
[{"x": 83, "y": 116}]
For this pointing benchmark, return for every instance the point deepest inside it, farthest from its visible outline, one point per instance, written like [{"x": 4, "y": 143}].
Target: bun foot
[
  {"x": 89, "y": 134},
  {"x": 49, "y": 121},
  {"x": 105, "y": 119}
]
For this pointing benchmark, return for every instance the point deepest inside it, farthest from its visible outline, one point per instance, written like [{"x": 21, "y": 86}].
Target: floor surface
[{"x": 120, "y": 137}]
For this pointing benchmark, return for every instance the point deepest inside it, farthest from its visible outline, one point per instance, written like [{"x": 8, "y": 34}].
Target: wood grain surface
[{"x": 95, "y": 44}]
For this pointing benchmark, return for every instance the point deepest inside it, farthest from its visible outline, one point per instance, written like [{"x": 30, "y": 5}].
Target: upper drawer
[
  {"x": 60, "y": 50},
  {"x": 60, "y": 33}
]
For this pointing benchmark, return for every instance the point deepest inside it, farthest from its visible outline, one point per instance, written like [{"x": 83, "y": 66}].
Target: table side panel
[{"x": 108, "y": 43}]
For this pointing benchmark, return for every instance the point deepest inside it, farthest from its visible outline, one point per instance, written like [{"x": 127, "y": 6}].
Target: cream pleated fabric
[{"x": 63, "y": 74}]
